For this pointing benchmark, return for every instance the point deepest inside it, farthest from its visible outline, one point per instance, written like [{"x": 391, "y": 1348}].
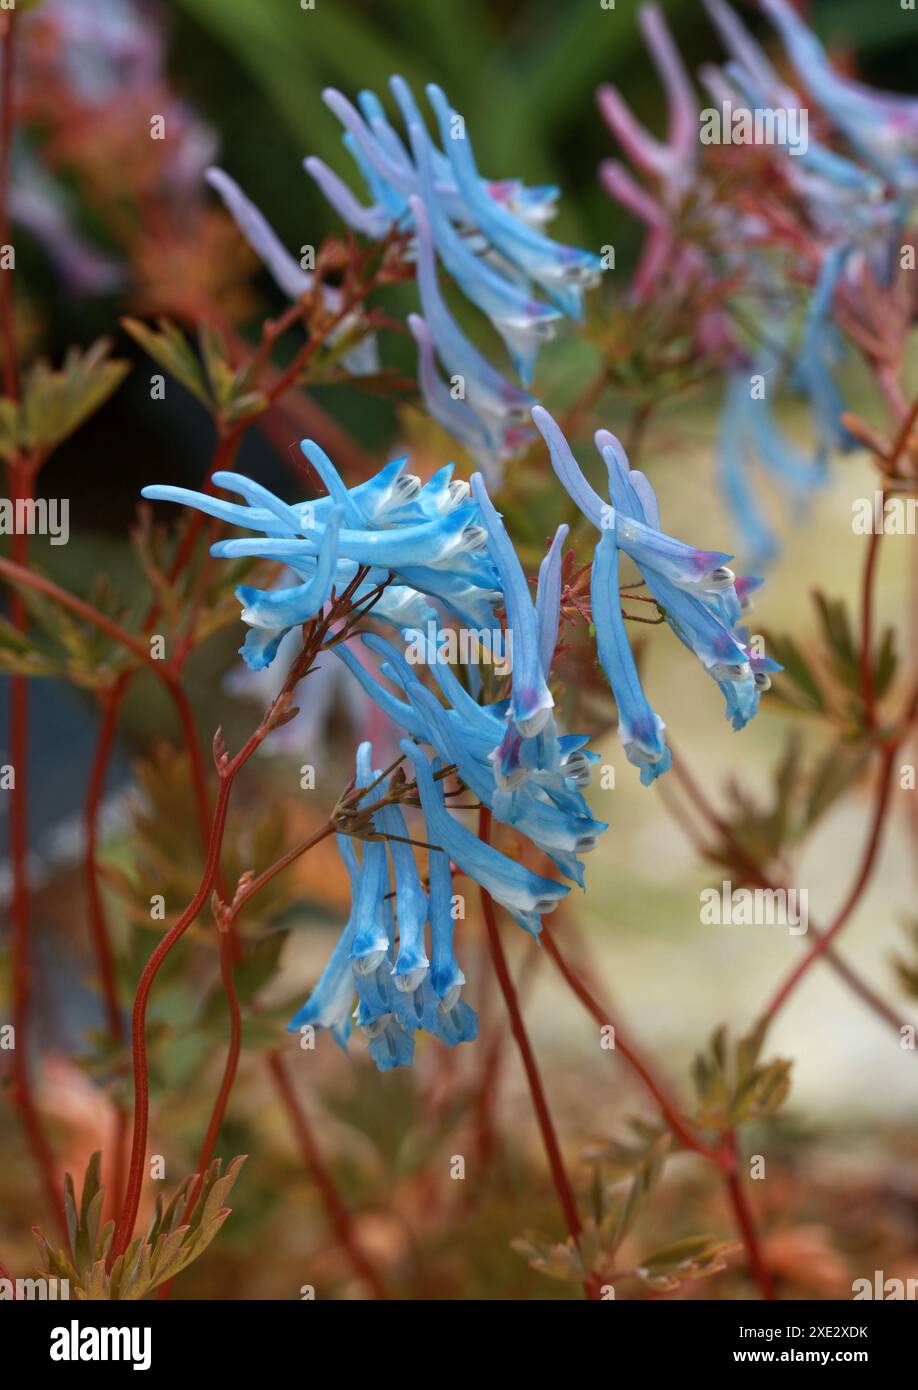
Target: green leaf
[
  {"x": 907, "y": 970},
  {"x": 56, "y": 401},
  {"x": 696, "y": 1257},
  {"x": 169, "y": 347},
  {"x": 167, "y": 1249},
  {"x": 885, "y": 662},
  {"x": 836, "y": 627},
  {"x": 833, "y": 775},
  {"x": 798, "y": 672},
  {"x": 560, "y": 1260},
  {"x": 733, "y": 1087}
]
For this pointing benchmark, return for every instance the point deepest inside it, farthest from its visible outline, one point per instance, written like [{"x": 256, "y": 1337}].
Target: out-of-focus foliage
[{"x": 171, "y": 1244}]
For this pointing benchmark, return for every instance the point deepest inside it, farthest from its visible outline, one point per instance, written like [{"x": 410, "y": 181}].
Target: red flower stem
[
  {"x": 264, "y": 878},
  {"x": 677, "y": 1124},
  {"x": 755, "y": 875},
  {"x": 338, "y": 1214},
  {"x": 195, "y": 758},
  {"x": 112, "y": 702},
  {"x": 488, "y": 1082},
  {"x": 229, "y": 1070},
  {"x": 128, "y": 1215},
  {"x": 724, "y": 1157},
  {"x": 21, "y": 474},
  {"x": 98, "y": 922},
  {"x": 16, "y": 573},
  {"x": 226, "y": 1085},
  {"x": 7, "y": 314},
  {"x": 226, "y": 929},
  {"x": 228, "y": 769},
  {"x": 744, "y": 1220},
  {"x": 20, "y": 914},
  {"x": 868, "y": 860},
  {"x": 866, "y": 653},
  {"x": 907, "y": 421},
  {"x": 530, "y": 1066},
  {"x": 908, "y": 418}
]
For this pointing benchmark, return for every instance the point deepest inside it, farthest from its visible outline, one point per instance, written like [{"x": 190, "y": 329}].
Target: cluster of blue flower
[
  {"x": 855, "y": 203},
  {"x": 436, "y": 554},
  {"x": 487, "y": 235}
]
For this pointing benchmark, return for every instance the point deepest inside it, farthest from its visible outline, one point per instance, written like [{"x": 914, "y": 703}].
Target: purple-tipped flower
[
  {"x": 488, "y": 238},
  {"x": 530, "y": 701},
  {"x": 694, "y": 590},
  {"x": 527, "y": 896}
]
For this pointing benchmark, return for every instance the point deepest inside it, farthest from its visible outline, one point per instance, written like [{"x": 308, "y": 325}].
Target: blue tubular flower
[
  {"x": 562, "y": 271},
  {"x": 491, "y": 264},
  {"x": 390, "y": 1045},
  {"x": 561, "y": 834},
  {"x": 445, "y": 975},
  {"x": 523, "y": 322},
  {"x": 429, "y": 543},
  {"x": 486, "y": 446},
  {"x": 351, "y": 511},
  {"x": 397, "y": 710},
  {"x": 264, "y": 241},
  {"x": 410, "y": 903},
  {"x": 530, "y": 700},
  {"x": 525, "y": 895},
  {"x": 694, "y": 590},
  {"x": 882, "y": 128},
  {"x": 831, "y": 183},
  {"x": 851, "y": 204},
  {"x": 372, "y": 945},
  {"x": 284, "y": 607},
  {"x": 749, "y": 432},
  {"x": 472, "y": 600},
  {"x": 329, "y": 1005},
  {"x": 486, "y": 391},
  {"x": 371, "y": 940},
  {"x": 452, "y": 1019},
  {"x": 372, "y": 222},
  {"x": 639, "y": 728},
  {"x": 491, "y": 218},
  {"x": 237, "y": 515},
  {"x": 548, "y": 599},
  {"x": 272, "y": 613},
  {"x": 800, "y": 475},
  {"x": 819, "y": 350},
  {"x": 682, "y": 564},
  {"x": 284, "y": 268},
  {"x": 453, "y": 1023},
  {"x": 733, "y": 445},
  {"x": 394, "y": 1001}
]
